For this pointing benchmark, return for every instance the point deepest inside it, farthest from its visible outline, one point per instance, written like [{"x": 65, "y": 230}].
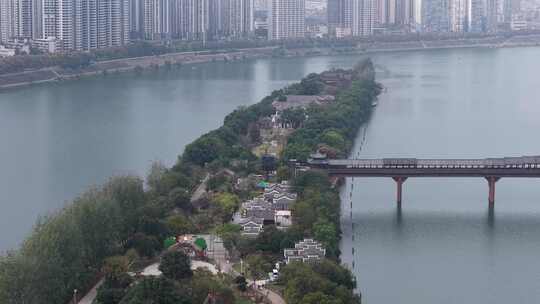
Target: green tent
[
  {"x": 200, "y": 243},
  {"x": 263, "y": 184},
  {"x": 169, "y": 242}
]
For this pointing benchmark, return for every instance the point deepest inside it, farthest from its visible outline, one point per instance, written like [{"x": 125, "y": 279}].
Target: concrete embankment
[{"x": 15, "y": 80}]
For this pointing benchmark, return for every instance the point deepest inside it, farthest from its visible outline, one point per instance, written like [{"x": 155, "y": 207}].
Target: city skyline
[{"x": 82, "y": 25}]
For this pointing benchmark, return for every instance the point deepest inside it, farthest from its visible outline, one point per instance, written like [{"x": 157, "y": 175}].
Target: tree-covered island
[{"x": 217, "y": 190}]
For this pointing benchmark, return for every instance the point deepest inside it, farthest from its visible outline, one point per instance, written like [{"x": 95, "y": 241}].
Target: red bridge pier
[
  {"x": 399, "y": 182},
  {"x": 492, "y": 180}
]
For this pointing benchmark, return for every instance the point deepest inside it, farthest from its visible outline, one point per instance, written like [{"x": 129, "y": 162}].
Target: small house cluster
[
  {"x": 273, "y": 207},
  {"x": 307, "y": 250}
]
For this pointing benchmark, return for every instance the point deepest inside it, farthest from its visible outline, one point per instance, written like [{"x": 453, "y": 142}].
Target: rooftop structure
[
  {"x": 305, "y": 251},
  {"x": 302, "y": 101},
  {"x": 252, "y": 226}
]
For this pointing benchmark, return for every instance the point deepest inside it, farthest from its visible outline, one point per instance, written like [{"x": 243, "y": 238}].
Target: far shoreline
[{"x": 177, "y": 60}]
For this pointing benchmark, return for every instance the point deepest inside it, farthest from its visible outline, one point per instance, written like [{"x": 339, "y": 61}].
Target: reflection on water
[{"x": 444, "y": 244}]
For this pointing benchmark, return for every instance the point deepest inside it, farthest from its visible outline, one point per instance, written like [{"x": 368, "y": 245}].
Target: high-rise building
[
  {"x": 492, "y": 15},
  {"x": 157, "y": 22},
  {"x": 86, "y": 24},
  {"x": 405, "y": 12},
  {"x": 459, "y": 15},
  {"x": 136, "y": 18},
  {"x": 335, "y": 13},
  {"x": 436, "y": 15},
  {"x": 287, "y": 19},
  {"x": 477, "y": 16},
  {"x": 363, "y": 17},
  {"x": 6, "y": 20}
]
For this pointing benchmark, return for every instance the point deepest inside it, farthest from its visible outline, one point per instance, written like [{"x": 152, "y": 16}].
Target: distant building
[
  {"x": 363, "y": 17},
  {"x": 302, "y": 101},
  {"x": 49, "y": 45},
  {"x": 259, "y": 208},
  {"x": 6, "y": 20},
  {"x": 252, "y": 226},
  {"x": 436, "y": 16},
  {"x": 85, "y": 25},
  {"x": 335, "y": 12},
  {"x": 283, "y": 219},
  {"x": 6, "y": 52},
  {"x": 305, "y": 251},
  {"x": 287, "y": 19},
  {"x": 284, "y": 201}
]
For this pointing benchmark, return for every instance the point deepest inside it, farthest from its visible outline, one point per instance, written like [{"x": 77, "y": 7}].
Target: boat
[{"x": 374, "y": 104}]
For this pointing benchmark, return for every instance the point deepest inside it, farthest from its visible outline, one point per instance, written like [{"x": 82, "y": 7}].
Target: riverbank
[
  {"x": 137, "y": 65},
  {"x": 176, "y": 60}
]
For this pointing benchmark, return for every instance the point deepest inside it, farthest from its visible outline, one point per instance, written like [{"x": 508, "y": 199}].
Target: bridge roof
[{"x": 418, "y": 161}]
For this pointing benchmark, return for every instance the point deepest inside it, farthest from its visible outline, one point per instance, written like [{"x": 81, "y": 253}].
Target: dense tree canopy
[{"x": 175, "y": 265}]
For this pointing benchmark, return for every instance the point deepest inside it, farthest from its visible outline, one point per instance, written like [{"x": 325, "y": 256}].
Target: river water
[{"x": 442, "y": 247}]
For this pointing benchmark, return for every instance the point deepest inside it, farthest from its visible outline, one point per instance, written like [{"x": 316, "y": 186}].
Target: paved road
[
  {"x": 201, "y": 190},
  {"x": 91, "y": 295}
]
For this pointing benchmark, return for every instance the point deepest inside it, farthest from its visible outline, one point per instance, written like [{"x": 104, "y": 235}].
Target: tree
[
  {"x": 176, "y": 265},
  {"x": 179, "y": 224},
  {"x": 294, "y": 117},
  {"x": 326, "y": 232},
  {"x": 258, "y": 266},
  {"x": 155, "y": 176},
  {"x": 319, "y": 298},
  {"x": 146, "y": 246},
  {"x": 334, "y": 139},
  {"x": 204, "y": 283},
  {"x": 226, "y": 204},
  {"x": 155, "y": 290},
  {"x": 241, "y": 283},
  {"x": 114, "y": 267},
  {"x": 180, "y": 197}
]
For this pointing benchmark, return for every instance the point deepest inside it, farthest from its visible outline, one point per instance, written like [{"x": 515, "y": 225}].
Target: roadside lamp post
[{"x": 75, "y": 296}]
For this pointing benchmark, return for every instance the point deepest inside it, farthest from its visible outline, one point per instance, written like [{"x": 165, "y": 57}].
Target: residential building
[
  {"x": 252, "y": 226},
  {"x": 459, "y": 15},
  {"x": 477, "y": 19},
  {"x": 231, "y": 19},
  {"x": 157, "y": 22},
  {"x": 287, "y": 19},
  {"x": 436, "y": 15},
  {"x": 6, "y": 20},
  {"x": 305, "y": 251},
  {"x": 335, "y": 12},
  {"x": 283, "y": 219},
  {"x": 86, "y": 24},
  {"x": 363, "y": 17},
  {"x": 48, "y": 45},
  {"x": 4, "y": 52}
]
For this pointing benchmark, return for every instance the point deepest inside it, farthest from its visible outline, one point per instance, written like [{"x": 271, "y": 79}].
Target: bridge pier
[
  {"x": 492, "y": 180},
  {"x": 399, "y": 182}
]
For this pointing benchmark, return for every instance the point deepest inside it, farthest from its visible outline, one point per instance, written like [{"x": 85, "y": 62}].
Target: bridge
[{"x": 400, "y": 169}]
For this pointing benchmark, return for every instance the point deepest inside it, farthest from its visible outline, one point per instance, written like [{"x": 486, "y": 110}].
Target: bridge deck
[{"x": 526, "y": 166}]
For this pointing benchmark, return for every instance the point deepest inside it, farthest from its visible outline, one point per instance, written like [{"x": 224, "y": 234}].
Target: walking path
[
  {"x": 91, "y": 295},
  {"x": 201, "y": 190}
]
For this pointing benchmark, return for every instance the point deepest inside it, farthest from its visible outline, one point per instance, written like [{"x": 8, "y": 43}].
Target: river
[{"x": 443, "y": 247}]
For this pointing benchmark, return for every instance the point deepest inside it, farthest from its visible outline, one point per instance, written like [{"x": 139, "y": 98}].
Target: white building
[
  {"x": 49, "y": 45},
  {"x": 287, "y": 19},
  {"x": 86, "y": 24},
  {"x": 305, "y": 251},
  {"x": 363, "y": 17},
  {"x": 6, "y": 52},
  {"x": 6, "y": 20}
]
